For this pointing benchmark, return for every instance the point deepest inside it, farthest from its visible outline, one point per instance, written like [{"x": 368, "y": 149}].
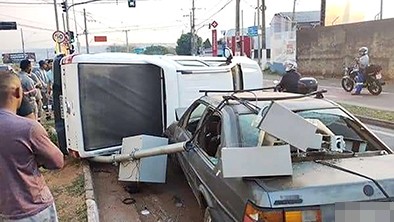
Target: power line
[{"x": 221, "y": 9}]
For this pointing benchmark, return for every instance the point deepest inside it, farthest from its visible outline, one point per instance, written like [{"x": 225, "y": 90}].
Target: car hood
[{"x": 332, "y": 181}]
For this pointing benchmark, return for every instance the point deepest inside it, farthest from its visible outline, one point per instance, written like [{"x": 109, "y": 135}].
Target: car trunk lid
[{"x": 331, "y": 181}]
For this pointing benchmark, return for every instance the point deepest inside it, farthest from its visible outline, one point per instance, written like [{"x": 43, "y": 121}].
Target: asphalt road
[
  {"x": 336, "y": 93},
  {"x": 387, "y": 135}
]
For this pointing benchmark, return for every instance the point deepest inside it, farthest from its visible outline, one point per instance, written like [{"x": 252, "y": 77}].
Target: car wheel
[{"x": 207, "y": 215}]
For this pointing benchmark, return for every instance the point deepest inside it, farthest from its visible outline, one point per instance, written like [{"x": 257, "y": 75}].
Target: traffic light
[
  {"x": 64, "y": 6},
  {"x": 7, "y": 25},
  {"x": 71, "y": 36},
  {"x": 131, "y": 3}
]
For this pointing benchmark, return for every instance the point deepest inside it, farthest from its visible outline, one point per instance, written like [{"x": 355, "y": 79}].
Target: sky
[{"x": 156, "y": 21}]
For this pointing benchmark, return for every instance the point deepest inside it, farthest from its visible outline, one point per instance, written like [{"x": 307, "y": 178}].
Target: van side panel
[{"x": 190, "y": 84}]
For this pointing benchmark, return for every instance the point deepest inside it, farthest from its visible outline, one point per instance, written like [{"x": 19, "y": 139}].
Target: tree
[
  {"x": 156, "y": 50},
  {"x": 184, "y": 44},
  {"x": 207, "y": 44}
]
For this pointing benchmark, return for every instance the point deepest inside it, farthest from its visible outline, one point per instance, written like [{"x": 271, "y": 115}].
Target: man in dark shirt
[
  {"x": 290, "y": 81},
  {"x": 25, "y": 146}
]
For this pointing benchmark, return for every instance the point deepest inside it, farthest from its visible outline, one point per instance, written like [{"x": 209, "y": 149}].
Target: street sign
[
  {"x": 214, "y": 24},
  {"x": 18, "y": 57},
  {"x": 252, "y": 31},
  {"x": 59, "y": 37},
  {"x": 8, "y": 26},
  {"x": 100, "y": 38}
]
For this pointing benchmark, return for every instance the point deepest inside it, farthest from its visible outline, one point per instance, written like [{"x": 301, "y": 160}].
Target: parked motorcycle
[{"x": 373, "y": 82}]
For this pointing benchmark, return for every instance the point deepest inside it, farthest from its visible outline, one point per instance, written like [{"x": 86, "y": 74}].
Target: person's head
[
  {"x": 290, "y": 65},
  {"x": 25, "y": 65},
  {"x": 49, "y": 63},
  {"x": 11, "y": 92},
  {"x": 42, "y": 64},
  {"x": 363, "y": 51}
]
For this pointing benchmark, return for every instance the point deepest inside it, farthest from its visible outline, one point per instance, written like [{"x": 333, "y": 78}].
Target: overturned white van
[{"x": 99, "y": 99}]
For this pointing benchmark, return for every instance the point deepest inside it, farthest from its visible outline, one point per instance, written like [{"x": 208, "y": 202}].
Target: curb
[
  {"x": 91, "y": 205},
  {"x": 376, "y": 122}
]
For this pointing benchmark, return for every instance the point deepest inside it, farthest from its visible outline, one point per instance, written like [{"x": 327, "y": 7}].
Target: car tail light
[
  {"x": 254, "y": 214},
  {"x": 68, "y": 59}
]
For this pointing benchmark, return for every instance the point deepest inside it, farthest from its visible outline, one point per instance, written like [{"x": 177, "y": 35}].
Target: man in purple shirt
[{"x": 24, "y": 147}]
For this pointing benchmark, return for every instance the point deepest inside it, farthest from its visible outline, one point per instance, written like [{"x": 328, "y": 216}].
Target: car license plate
[{"x": 379, "y": 76}]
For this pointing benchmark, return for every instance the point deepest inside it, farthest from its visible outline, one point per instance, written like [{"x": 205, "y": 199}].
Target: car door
[{"x": 203, "y": 160}]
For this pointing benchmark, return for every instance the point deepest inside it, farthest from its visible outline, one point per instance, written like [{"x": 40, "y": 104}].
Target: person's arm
[
  {"x": 26, "y": 110},
  {"x": 47, "y": 154}
]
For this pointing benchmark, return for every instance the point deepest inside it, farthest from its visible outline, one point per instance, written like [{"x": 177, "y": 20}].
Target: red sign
[
  {"x": 214, "y": 24},
  {"x": 100, "y": 38},
  {"x": 214, "y": 43}
]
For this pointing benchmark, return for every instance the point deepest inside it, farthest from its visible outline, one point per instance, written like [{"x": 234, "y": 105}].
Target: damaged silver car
[{"x": 267, "y": 156}]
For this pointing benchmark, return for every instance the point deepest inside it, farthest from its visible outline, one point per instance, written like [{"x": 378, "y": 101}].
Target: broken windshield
[{"x": 334, "y": 122}]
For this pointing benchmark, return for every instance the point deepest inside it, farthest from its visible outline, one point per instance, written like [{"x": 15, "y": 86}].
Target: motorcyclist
[
  {"x": 290, "y": 81},
  {"x": 363, "y": 63}
]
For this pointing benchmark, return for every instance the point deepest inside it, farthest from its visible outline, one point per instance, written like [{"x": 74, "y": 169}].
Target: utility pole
[
  {"x": 323, "y": 13},
  {"x": 237, "y": 26},
  {"x": 127, "y": 40},
  {"x": 56, "y": 17},
  {"x": 86, "y": 31},
  {"x": 193, "y": 29},
  {"x": 381, "y": 9},
  {"x": 263, "y": 46},
  {"x": 258, "y": 35},
  {"x": 57, "y": 23},
  {"x": 64, "y": 23},
  {"x": 293, "y": 16},
  {"x": 23, "y": 44},
  {"x": 76, "y": 29}
]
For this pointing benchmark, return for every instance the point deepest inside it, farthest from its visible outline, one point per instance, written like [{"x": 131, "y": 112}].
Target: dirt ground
[
  {"x": 169, "y": 202},
  {"x": 67, "y": 187}
]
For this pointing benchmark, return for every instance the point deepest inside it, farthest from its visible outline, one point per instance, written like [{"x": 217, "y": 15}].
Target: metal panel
[
  {"x": 256, "y": 161},
  {"x": 283, "y": 124},
  {"x": 150, "y": 169}
]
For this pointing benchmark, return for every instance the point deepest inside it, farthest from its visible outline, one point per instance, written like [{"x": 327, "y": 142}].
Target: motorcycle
[
  {"x": 373, "y": 81},
  {"x": 305, "y": 85}
]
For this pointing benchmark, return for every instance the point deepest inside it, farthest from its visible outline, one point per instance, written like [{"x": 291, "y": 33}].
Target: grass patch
[
  {"x": 371, "y": 113},
  {"x": 76, "y": 188}
]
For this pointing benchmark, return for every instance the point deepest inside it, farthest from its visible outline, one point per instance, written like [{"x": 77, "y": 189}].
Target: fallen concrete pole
[{"x": 138, "y": 154}]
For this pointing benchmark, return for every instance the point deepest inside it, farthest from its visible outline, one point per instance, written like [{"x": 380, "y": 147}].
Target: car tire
[{"x": 207, "y": 215}]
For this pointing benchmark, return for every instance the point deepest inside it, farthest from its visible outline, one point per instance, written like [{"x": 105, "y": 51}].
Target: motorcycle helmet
[
  {"x": 363, "y": 51},
  {"x": 290, "y": 65}
]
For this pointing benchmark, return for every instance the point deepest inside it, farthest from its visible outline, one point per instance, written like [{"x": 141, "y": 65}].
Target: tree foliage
[
  {"x": 207, "y": 44},
  {"x": 156, "y": 50},
  {"x": 184, "y": 44}
]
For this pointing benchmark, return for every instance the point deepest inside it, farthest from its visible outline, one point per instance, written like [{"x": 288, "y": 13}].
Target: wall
[{"x": 323, "y": 51}]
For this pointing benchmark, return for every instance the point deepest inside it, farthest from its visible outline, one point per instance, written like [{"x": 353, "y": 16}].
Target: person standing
[
  {"x": 28, "y": 85},
  {"x": 25, "y": 109},
  {"x": 363, "y": 63},
  {"x": 42, "y": 76},
  {"x": 25, "y": 146}
]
